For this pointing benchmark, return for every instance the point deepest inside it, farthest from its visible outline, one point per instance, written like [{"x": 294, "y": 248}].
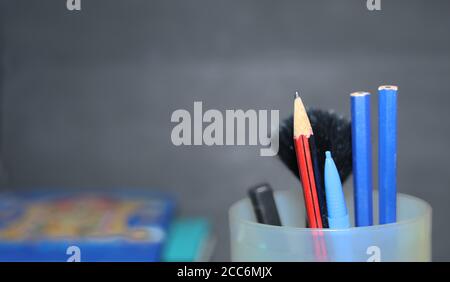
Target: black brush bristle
[{"x": 332, "y": 132}]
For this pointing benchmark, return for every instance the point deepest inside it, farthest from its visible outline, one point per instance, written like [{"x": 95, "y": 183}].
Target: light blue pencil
[
  {"x": 387, "y": 153},
  {"x": 337, "y": 211},
  {"x": 336, "y": 207},
  {"x": 362, "y": 158}
]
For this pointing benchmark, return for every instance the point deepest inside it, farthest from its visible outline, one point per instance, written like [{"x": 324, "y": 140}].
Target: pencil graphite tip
[
  {"x": 328, "y": 154},
  {"x": 296, "y": 94}
]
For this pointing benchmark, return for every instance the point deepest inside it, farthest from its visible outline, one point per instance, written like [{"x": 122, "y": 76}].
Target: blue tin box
[{"x": 94, "y": 226}]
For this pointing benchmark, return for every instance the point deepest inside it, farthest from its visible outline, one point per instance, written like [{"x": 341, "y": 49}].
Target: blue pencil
[
  {"x": 362, "y": 158},
  {"x": 387, "y": 153}
]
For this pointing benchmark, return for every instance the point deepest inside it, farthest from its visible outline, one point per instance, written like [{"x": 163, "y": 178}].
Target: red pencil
[{"x": 302, "y": 133}]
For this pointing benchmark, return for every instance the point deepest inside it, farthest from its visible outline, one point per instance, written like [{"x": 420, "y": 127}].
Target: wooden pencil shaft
[
  {"x": 362, "y": 158},
  {"x": 387, "y": 154},
  {"x": 307, "y": 195},
  {"x": 310, "y": 169}
]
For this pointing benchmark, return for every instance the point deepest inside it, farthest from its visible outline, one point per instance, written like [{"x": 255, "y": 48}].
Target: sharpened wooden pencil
[{"x": 302, "y": 133}]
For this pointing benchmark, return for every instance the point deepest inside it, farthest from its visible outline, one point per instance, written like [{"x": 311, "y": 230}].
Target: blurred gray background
[{"x": 87, "y": 96}]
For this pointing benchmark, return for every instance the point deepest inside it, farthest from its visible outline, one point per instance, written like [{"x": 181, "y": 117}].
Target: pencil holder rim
[{"x": 426, "y": 207}]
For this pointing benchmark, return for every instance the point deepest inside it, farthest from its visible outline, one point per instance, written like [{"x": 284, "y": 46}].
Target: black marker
[{"x": 264, "y": 205}]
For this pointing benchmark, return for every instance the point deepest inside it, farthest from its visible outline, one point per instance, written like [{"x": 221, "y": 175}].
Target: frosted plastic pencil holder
[{"x": 409, "y": 239}]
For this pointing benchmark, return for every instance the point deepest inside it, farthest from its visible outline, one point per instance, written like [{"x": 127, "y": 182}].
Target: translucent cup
[{"x": 409, "y": 239}]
